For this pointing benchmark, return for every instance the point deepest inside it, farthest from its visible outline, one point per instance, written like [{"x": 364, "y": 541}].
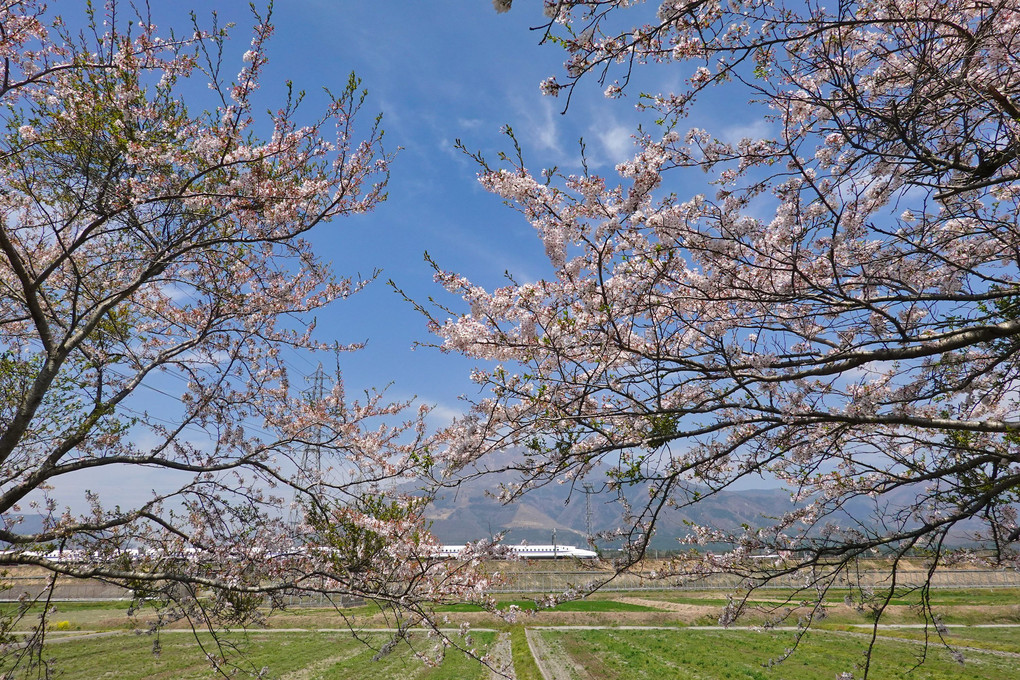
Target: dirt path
[
  {"x": 552, "y": 663},
  {"x": 501, "y": 659}
]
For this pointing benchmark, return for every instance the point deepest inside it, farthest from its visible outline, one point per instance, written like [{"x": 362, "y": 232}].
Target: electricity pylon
[
  {"x": 588, "y": 491},
  {"x": 310, "y": 469}
]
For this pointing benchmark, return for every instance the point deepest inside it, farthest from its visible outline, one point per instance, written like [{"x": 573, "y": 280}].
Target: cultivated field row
[
  {"x": 547, "y": 580},
  {"x": 609, "y": 636}
]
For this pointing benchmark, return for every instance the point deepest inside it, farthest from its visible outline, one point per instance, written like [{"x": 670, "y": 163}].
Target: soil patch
[
  {"x": 553, "y": 662},
  {"x": 688, "y": 613},
  {"x": 501, "y": 657}
]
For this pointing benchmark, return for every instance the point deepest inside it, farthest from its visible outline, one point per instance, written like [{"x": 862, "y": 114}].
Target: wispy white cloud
[
  {"x": 616, "y": 142},
  {"x": 758, "y": 129},
  {"x": 442, "y": 415},
  {"x": 539, "y": 128}
]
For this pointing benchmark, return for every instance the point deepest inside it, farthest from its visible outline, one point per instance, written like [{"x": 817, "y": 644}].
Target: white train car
[{"x": 529, "y": 552}]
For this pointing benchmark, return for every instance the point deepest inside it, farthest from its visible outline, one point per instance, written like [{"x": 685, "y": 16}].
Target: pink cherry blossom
[{"x": 833, "y": 306}]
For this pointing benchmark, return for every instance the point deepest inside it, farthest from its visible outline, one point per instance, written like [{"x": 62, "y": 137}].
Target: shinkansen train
[
  {"x": 530, "y": 552},
  {"x": 191, "y": 554}
]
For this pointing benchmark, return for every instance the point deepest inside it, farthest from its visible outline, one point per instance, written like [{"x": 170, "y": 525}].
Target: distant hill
[
  {"x": 471, "y": 512},
  {"x": 28, "y": 524}
]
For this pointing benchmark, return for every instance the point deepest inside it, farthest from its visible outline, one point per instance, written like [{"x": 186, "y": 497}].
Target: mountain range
[{"x": 471, "y": 512}]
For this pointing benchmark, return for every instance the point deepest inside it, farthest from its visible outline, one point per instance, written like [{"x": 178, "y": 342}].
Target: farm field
[
  {"x": 607, "y": 654},
  {"x": 563, "y": 654},
  {"x": 288, "y": 656},
  {"x": 609, "y": 636}
]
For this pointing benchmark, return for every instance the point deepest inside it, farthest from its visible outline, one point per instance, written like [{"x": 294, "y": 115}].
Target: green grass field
[
  {"x": 943, "y": 597},
  {"x": 607, "y": 651},
  {"x": 739, "y": 655},
  {"x": 594, "y": 605},
  {"x": 994, "y": 639},
  {"x": 289, "y": 656},
  {"x": 604, "y": 654}
]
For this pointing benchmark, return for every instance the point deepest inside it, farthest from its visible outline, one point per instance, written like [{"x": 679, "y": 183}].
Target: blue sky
[{"x": 437, "y": 71}]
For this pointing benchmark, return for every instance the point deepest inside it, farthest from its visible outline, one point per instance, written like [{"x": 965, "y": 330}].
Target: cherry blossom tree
[
  {"x": 834, "y": 305},
  {"x": 153, "y": 279}
]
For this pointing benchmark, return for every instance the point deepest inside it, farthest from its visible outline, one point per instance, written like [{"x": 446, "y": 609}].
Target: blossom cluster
[{"x": 833, "y": 306}]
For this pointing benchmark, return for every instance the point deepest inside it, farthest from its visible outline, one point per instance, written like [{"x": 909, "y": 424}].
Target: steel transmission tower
[
  {"x": 588, "y": 491},
  {"x": 310, "y": 469}
]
